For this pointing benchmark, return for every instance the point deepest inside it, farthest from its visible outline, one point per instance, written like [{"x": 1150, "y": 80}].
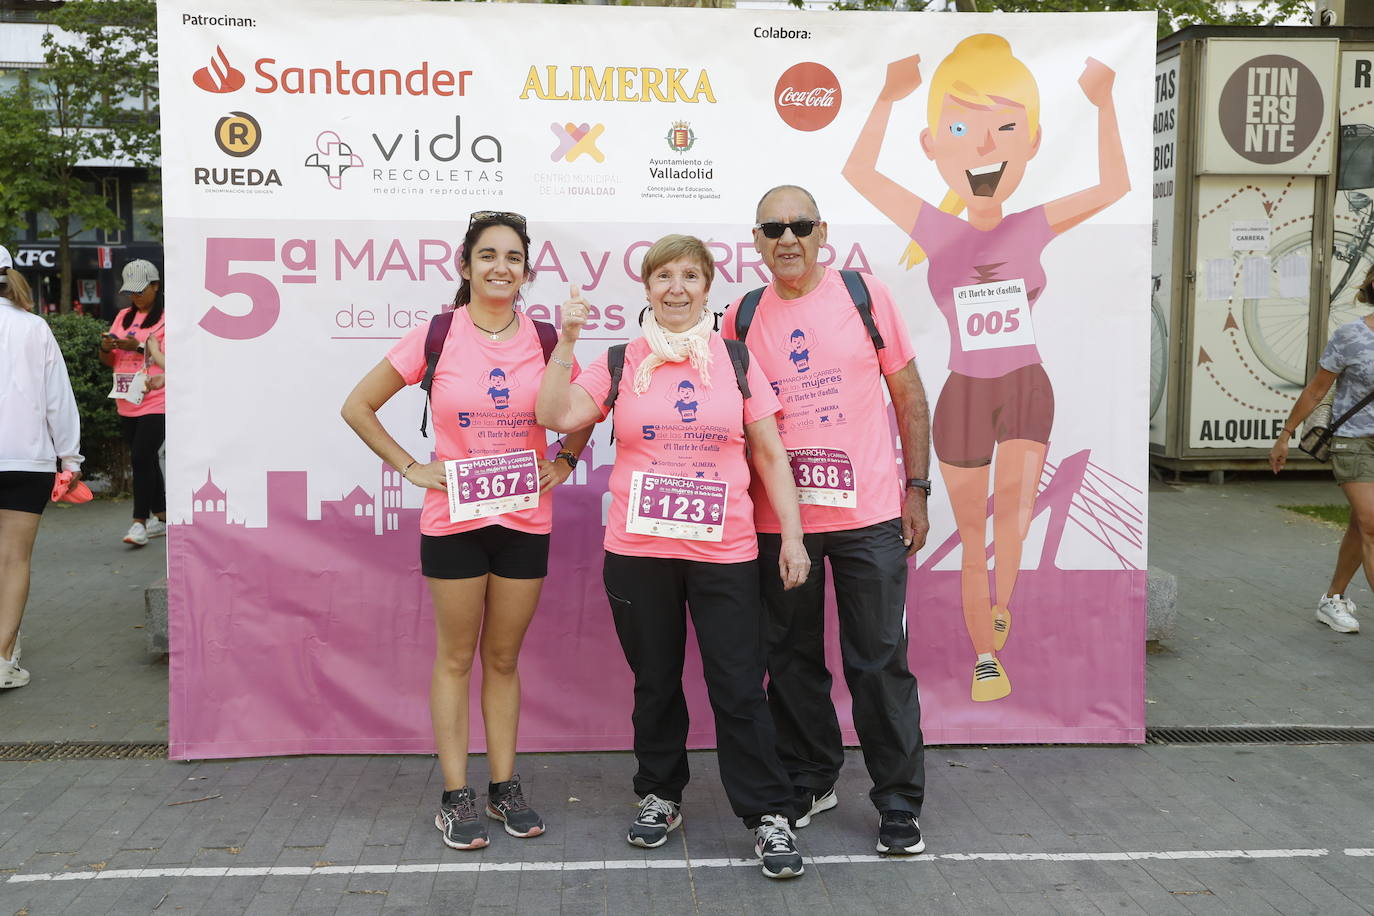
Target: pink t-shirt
[
  {"x": 830, "y": 382},
  {"x": 989, "y": 336},
  {"x": 131, "y": 361},
  {"x": 681, "y": 428},
  {"x": 482, "y": 403}
]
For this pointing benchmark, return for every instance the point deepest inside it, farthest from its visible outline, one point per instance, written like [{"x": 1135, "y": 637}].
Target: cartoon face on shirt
[
  {"x": 498, "y": 387},
  {"x": 685, "y": 400},
  {"x": 798, "y": 350}
]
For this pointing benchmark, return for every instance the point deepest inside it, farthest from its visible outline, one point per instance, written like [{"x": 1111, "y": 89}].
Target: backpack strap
[
  {"x": 744, "y": 315},
  {"x": 615, "y": 361},
  {"x": 548, "y": 337},
  {"x": 858, "y": 291},
  {"x": 434, "y": 346},
  {"x": 739, "y": 359}
]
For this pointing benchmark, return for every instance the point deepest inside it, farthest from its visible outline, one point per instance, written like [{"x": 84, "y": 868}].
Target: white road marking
[{"x": 111, "y": 874}]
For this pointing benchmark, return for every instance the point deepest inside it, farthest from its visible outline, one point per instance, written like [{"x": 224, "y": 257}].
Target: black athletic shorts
[
  {"x": 494, "y": 549},
  {"x": 26, "y": 491}
]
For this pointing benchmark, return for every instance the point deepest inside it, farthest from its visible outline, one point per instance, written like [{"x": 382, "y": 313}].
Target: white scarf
[{"x": 693, "y": 345}]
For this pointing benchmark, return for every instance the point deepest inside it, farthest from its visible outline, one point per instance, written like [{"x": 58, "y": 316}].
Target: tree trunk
[
  {"x": 64, "y": 264},
  {"x": 966, "y": 6}
]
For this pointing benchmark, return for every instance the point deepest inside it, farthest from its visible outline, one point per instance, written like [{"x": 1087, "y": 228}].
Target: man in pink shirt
[{"x": 857, "y": 510}]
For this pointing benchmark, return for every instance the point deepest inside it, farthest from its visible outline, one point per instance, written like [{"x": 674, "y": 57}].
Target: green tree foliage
[
  {"x": 1173, "y": 14},
  {"x": 95, "y": 99},
  {"x": 78, "y": 336}
]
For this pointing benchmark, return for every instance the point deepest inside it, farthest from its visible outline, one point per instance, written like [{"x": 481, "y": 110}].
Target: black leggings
[{"x": 144, "y": 436}]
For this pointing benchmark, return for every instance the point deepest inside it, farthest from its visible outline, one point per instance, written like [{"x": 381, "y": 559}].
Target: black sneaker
[
  {"x": 457, "y": 818},
  {"x": 776, "y": 846},
  {"x": 811, "y": 802},
  {"x": 506, "y": 802},
  {"x": 899, "y": 834},
  {"x": 657, "y": 818}
]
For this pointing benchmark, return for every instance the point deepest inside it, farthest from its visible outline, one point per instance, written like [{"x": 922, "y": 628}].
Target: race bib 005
[{"x": 994, "y": 315}]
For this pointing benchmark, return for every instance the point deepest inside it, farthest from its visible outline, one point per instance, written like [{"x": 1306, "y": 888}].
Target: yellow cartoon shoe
[
  {"x": 1001, "y": 628},
  {"x": 990, "y": 682}
]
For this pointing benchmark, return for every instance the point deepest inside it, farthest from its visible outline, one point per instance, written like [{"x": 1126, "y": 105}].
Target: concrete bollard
[
  {"x": 1161, "y": 591},
  {"x": 155, "y": 617}
]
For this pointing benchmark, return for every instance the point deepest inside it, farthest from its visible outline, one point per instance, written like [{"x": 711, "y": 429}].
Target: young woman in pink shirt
[
  {"x": 680, "y": 536},
  {"x": 486, "y": 568}
]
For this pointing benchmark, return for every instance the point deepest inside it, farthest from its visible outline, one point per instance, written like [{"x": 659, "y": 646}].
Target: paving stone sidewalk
[{"x": 1214, "y": 829}]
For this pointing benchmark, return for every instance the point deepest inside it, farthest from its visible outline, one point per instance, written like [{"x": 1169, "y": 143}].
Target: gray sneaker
[
  {"x": 506, "y": 803},
  {"x": 657, "y": 818},
  {"x": 1338, "y": 613},
  {"x": 457, "y": 819},
  {"x": 776, "y": 846}
]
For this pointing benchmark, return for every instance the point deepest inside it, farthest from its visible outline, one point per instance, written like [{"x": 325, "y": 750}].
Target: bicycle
[
  {"x": 1276, "y": 327},
  {"x": 1159, "y": 348}
]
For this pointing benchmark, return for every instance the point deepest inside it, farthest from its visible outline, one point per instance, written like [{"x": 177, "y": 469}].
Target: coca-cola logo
[
  {"x": 807, "y": 96},
  {"x": 219, "y": 76}
]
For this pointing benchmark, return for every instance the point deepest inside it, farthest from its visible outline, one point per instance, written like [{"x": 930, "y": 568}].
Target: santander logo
[
  {"x": 219, "y": 76},
  {"x": 807, "y": 96}
]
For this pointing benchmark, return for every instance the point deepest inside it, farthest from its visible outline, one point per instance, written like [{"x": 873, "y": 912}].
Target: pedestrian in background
[
  {"x": 1348, "y": 362},
  {"x": 39, "y": 428},
  {"x": 142, "y": 406}
]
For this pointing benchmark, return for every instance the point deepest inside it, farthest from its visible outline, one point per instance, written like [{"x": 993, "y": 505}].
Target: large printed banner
[{"x": 320, "y": 162}]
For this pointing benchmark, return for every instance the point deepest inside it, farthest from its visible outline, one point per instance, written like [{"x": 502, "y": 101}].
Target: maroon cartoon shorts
[{"x": 974, "y": 414}]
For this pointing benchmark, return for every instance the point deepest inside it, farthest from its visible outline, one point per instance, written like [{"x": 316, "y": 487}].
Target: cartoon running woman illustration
[
  {"x": 985, "y": 275},
  {"x": 499, "y": 389},
  {"x": 801, "y": 353}
]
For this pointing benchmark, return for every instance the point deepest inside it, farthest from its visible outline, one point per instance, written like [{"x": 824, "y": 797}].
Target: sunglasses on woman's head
[
  {"x": 801, "y": 228},
  {"x": 483, "y": 216}
]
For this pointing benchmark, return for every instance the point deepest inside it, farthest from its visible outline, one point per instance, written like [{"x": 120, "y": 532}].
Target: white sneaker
[
  {"x": 1338, "y": 613},
  {"x": 138, "y": 535},
  {"x": 11, "y": 675},
  {"x": 156, "y": 528}
]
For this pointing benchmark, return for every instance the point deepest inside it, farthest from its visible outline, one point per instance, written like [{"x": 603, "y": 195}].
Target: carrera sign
[{"x": 807, "y": 96}]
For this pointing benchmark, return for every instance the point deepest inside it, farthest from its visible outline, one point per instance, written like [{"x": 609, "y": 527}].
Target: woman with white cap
[
  {"x": 39, "y": 427},
  {"x": 141, "y": 398}
]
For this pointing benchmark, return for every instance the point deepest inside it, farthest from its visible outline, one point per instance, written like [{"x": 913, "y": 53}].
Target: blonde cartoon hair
[{"x": 981, "y": 70}]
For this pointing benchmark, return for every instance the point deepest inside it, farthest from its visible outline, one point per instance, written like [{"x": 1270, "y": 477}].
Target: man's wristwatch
[
  {"x": 914, "y": 483},
  {"x": 568, "y": 457}
]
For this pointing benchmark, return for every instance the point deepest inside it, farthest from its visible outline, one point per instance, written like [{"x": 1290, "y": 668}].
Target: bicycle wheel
[
  {"x": 1343, "y": 305},
  {"x": 1276, "y": 326},
  {"x": 1159, "y": 354}
]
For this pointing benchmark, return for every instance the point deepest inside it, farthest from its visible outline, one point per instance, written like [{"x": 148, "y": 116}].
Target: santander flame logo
[
  {"x": 219, "y": 76},
  {"x": 807, "y": 96}
]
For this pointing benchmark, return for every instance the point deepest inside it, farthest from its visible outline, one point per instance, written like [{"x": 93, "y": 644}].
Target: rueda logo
[
  {"x": 333, "y": 157},
  {"x": 219, "y": 76},
  {"x": 576, "y": 140},
  {"x": 238, "y": 134},
  {"x": 807, "y": 96}
]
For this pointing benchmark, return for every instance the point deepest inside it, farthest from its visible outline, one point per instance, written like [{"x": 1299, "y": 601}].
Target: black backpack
[
  {"x": 434, "y": 346},
  {"x": 858, "y": 292}
]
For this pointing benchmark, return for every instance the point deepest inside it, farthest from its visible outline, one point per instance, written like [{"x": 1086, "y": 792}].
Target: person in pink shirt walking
[
  {"x": 691, "y": 414},
  {"x": 831, "y": 358}
]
